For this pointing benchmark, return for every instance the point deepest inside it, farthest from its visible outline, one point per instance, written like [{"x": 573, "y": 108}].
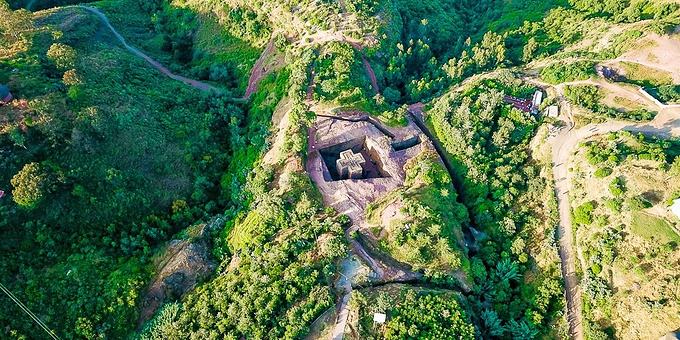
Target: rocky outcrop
[{"x": 184, "y": 263}]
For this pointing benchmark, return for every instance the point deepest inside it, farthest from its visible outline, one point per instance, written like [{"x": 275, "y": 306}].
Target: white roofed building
[{"x": 675, "y": 208}]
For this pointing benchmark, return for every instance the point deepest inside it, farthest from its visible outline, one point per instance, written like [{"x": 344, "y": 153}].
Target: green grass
[
  {"x": 646, "y": 76},
  {"x": 653, "y": 228},
  {"x": 561, "y": 73},
  {"x": 220, "y": 47},
  {"x": 213, "y": 45}
]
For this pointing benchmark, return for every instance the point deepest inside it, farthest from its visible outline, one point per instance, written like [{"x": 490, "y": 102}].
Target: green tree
[
  {"x": 583, "y": 214},
  {"x": 62, "y": 56},
  {"x": 30, "y": 185},
  {"x": 529, "y": 50},
  {"x": 16, "y": 29}
]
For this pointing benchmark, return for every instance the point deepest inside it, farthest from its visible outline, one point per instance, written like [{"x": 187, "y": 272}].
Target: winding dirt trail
[{"x": 191, "y": 82}]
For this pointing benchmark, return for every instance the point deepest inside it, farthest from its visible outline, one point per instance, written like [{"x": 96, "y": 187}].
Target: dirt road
[{"x": 191, "y": 82}]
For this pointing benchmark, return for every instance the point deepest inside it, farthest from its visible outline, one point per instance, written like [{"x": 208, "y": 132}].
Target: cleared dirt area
[{"x": 661, "y": 52}]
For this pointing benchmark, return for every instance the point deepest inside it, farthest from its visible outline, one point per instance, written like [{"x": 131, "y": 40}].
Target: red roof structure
[{"x": 519, "y": 103}]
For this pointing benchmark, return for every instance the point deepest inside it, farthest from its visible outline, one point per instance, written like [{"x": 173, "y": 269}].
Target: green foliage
[
  {"x": 603, "y": 172},
  {"x": 163, "y": 325},
  {"x": 337, "y": 71},
  {"x": 486, "y": 140},
  {"x": 589, "y": 96},
  {"x": 637, "y": 203},
  {"x": 30, "y": 184},
  {"x": 669, "y": 93},
  {"x": 614, "y": 204},
  {"x": 559, "y": 72},
  {"x": 62, "y": 56},
  {"x": 617, "y": 187},
  {"x": 653, "y": 228},
  {"x": 15, "y": 30},
  {"x": 99, "y": 188},
  {"x": 294, "y": 245},
  {"x": 624, "y": 145},
  {"x": 445, "y": 320},
  {"x": 627, "y": 11},
  {"x": 429, "y": 235},
  {"x": 422, "y": 315},
  {"x": 583, "y": 214}
]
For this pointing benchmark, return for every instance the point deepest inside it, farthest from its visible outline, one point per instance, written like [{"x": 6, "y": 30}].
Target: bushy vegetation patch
[
  {"x": 429, "y": 237},
  {"x": 412, "y": 313},
  {"x": 276, "y": 280},
  {"x": 487, "y": 140},
  {"x": 107, "y": 160},
  {"x": 561, "y": 73},
  {"x": 590, "y": 96}
]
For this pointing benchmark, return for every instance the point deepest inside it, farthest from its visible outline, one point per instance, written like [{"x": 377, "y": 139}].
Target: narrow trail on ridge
[
  {"x": 371, "y": 74},
  {"x": 191, "y": 82},
  {"x": 259, "y": 71}
]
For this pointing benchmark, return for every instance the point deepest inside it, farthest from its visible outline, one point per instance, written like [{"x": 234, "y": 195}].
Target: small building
[
  {"x": 379, "y": 318},
  {"x": 521, "y": 104},
  {"x": 537, "y": 100},
  {"x": 553, "y": 111},
  {"x": 675, "y": 208},
  {"x": 5, "y": 95},
  {"x": 350, "y": 165}
]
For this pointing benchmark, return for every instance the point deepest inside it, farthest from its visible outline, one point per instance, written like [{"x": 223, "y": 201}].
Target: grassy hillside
[
  {"x": 626, "y": 236},
  {"x": 105, "y": 158}
]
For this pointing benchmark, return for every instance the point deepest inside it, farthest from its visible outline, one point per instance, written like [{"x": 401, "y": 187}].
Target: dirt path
[
  {"x": 371, "y": 74},
  {"x": 191, "y": 82},
  {"x": 416, "y": 111},
  {"x": 259, "y": 71}
]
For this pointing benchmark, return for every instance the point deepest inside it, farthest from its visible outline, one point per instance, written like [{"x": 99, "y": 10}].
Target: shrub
[
  {"x": 617, "y": 187},
  {"x": 669, "y": 93},
  {"x": 587, "y": 96},
  {"x": 583, "y": 214},
  {"x": 596, "y": 268},
  {"x": 614, "y": 204},
  {"x": 30, "y": 185},
  {"x": 561, "y": 73},
  {"x": 603, "y": 172},
  {"x": 62, "y": 56},
  {"x": 638, "y": 203}
]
